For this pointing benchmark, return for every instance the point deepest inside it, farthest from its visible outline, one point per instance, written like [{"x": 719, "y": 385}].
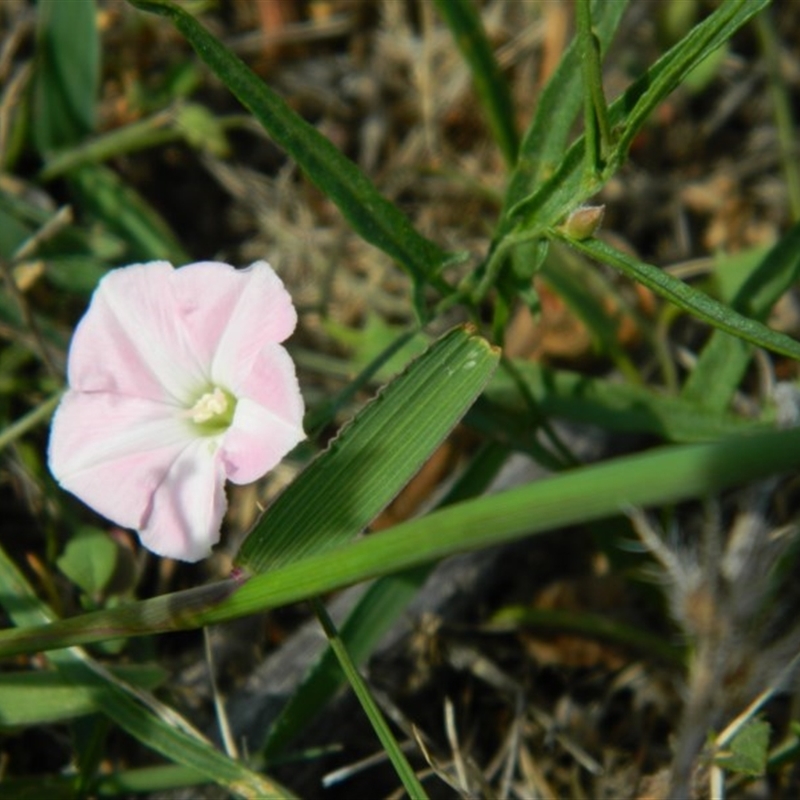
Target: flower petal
[
  {"x": 132, "y": 339},
  {"x": 113, "y": 451},
  {"x": 256, "y": 441},
  {"x": 270, "y": 381},
  {"x": 188, "y": 505},
  {"x": 231, "y": 313}
]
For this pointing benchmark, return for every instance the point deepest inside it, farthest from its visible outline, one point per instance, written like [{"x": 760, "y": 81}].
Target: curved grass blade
[
  {"x": 372, "y": 216},
  {"x": 690, "y": 300},
  {"x": 374, "y": 457},
  {"x": 124, "y": 705},
  {"x": 470, "y": 37},
  {"x": 665, "y": 475}
]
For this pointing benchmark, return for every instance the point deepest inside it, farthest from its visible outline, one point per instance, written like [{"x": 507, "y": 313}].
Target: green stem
[
  {"x": 398, "y": 759},
  {"x": 595, "y": 106},
  {"x": 159, "y": 129}
]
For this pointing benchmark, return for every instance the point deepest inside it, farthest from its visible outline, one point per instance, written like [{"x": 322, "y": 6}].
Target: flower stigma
[{"x": 213, "y": 412}]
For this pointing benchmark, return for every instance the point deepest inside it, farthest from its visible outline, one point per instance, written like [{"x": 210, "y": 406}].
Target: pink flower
[{"x": 177, "y": 381}]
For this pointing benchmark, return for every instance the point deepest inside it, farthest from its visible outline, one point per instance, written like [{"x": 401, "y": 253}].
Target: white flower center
[{"x": 210, "y": 405}]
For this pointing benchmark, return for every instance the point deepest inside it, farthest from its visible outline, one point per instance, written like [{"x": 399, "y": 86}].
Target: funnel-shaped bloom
[{"x": 177, "y": 381}]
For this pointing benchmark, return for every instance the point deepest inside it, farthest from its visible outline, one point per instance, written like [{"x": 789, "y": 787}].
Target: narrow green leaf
[
  {"x": 465, "y": 24},
  {"x": 373, "y": 615},
  {"x": 596, "y": 127},
  {"x": 690, "y": 300},
  {"x": 67, "y": 73},
  {"x": 665, "y": 475},
  {"x": 371, "y": 215},
  {"x": 610, "y": 405},
  {"x": 542, "y": 150},
  {"x": 546, "y": 140},
  {"x": 703, "y": 39},
  {"x": 724, "y": 360},
  {"x": 374, "y": 457}
]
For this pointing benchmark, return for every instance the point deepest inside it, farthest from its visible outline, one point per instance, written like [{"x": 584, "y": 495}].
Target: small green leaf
[
  {"x": 89, "y": 560},
  {"x": 747, "y": 752}
]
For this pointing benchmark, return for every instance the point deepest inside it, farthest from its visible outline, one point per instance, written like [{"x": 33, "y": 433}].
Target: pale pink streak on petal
[
  {"x": 231, "y": 313},
  {"x": 132, "y": 339},
  {"x": 259, "y": 312},
  {"x": 256, "y": 442},
  {"x": 228, "y": 309},
  {"x": 270, "y": 381},
  {"x": 113, "y": 451},
  {"x": 188, "y": 505}
]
